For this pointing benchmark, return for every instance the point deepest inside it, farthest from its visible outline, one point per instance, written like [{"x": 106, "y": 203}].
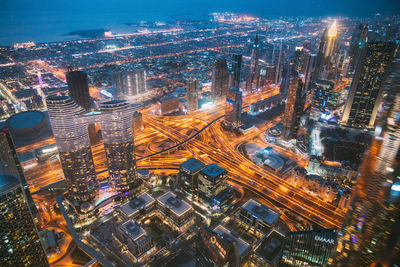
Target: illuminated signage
[
  {"x": 325, "y": 240},
  {"x": 214, "y": 241}
]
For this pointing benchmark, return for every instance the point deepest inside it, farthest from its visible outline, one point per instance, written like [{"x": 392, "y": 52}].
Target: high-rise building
[
  {"x": 358, "y": 41},
  {"x": 332, "y": 38},
  {"x": 129, "y": 84},
  {"x": 10, "y": 164},
  {"x": 285, "y": 81},
  {"x": 367, "y": 86},
  {"x": 189, "y": 175},
  {"x": 220, "y": 79},
  {"x": 70, "y": 128},
  {"x": 78, "y": 88},
  {"x": 278, "y": 59},
  {"x": 233, "y": 109},
  {"x": 212, "y": 185},
  {"x": 192, "y": 93},
  {"x": 213, "y": 249},
  {"x": 117, "y": 132},
  {"x": 309, "y": 68},
  {"x": 371, "y": 214},
  {"x": 20, "y": 242},
  {"x": 308, "y": 248},
  {"x": 319, "y": 63},
  {"x": 252, "y": 81},
  {"x": 236, "y": 70},
  {"x": 73, "y": 144},
  {"x": 293, "y": 110}
]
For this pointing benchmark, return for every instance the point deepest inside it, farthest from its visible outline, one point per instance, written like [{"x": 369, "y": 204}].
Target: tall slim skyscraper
[
  {"x": 358, "y": 41},
  {"x": 309, "y": 68},
  {"x": 192, "y": 93},
  {"x": 285, "y": 81},
  {"x": 10, "y": 164},
  {"x": 293, "y": 110},
  {"x": 366, "y": 226},
  {"x": 78, "y": 88},
  {"x": 233, "y": 109},
  {"x": 236, "y": 69},
  {"x": 73, "y": 147},
  {"x": 331, "y": 42},
  {"x": 119, "y": 145},
  {"x": 279, "y": 58},
  {"x": 254, "y": 71},
  {"x": 319, "y": 64},
  {"x": 220, "y": 79},
  {"x": 19, "y": 243},
  {"x": 367, "y": 86}
]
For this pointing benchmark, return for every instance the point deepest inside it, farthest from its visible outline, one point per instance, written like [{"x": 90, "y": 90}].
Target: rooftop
[
  {"x": 174, "y": 203},
  {"x": 137, "y": 203},
  {"x": 270, "y": 247},
  {"x": 192, "y": 165},
  {"x": 133, "y": 229},
  {"x": 262, "y": 212},
  {"x": 212, "y": 171},
  {"x": 242, "y": 245},
  {"x": 26, "y": 119}
]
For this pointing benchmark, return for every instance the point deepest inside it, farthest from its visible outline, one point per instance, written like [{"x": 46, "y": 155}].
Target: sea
[{"x": 52, "y": 27}]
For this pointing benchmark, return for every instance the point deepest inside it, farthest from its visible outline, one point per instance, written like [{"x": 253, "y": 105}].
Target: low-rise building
[
  {"x": 257, "y": 218},
  {"x": 268, "y": 251},
  {"x": 139, "y": 243},
  {"x": 243, "y": 247},
  {"x": 168, "y": 104},
  {"x": 175, "y": 212},
  {"x": 138, "y": 206}
]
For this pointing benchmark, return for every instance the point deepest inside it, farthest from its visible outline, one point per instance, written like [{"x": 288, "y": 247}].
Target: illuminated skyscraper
[
  {"x": 220, "y": 79},
  {"x": 233, "y": 109},
  {"x": 319, "y": 64},
  {"x": 367, "y": 224},
  {"x": 367, "y": 86},
  {"x": 253, "y": 78},
  {"x": 10, "y": 164},
  {"x": 331, "y": 42},
  {"x": 236, "y": 69},
  {"x": 308, "y": 248},
  {"x": 73, "y": 147},
  {"x": 278, "y": 59},
  {"x": 358, "y": 41},
  {"x": 117, "y": 134},
  {"x": 78, "y": 88},
  {"x": 192, "y": 93},
  {"x": 129, "y": 84},
  {"x": 19, "y": 240},
  {"x": 285, "y": 80},
  {"x": 70, "y": 128},
  {"x": 309, "y": 68},
  {"x": 293, "y": 110}
]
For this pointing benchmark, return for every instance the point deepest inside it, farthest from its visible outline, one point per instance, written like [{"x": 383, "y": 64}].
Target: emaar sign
[{"x": 325, "y": 240}]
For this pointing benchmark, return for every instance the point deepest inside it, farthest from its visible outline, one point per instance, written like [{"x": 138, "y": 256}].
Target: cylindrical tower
[
  {"x": 117, "y": 132},
  {"x": 70, "y": 130}
]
